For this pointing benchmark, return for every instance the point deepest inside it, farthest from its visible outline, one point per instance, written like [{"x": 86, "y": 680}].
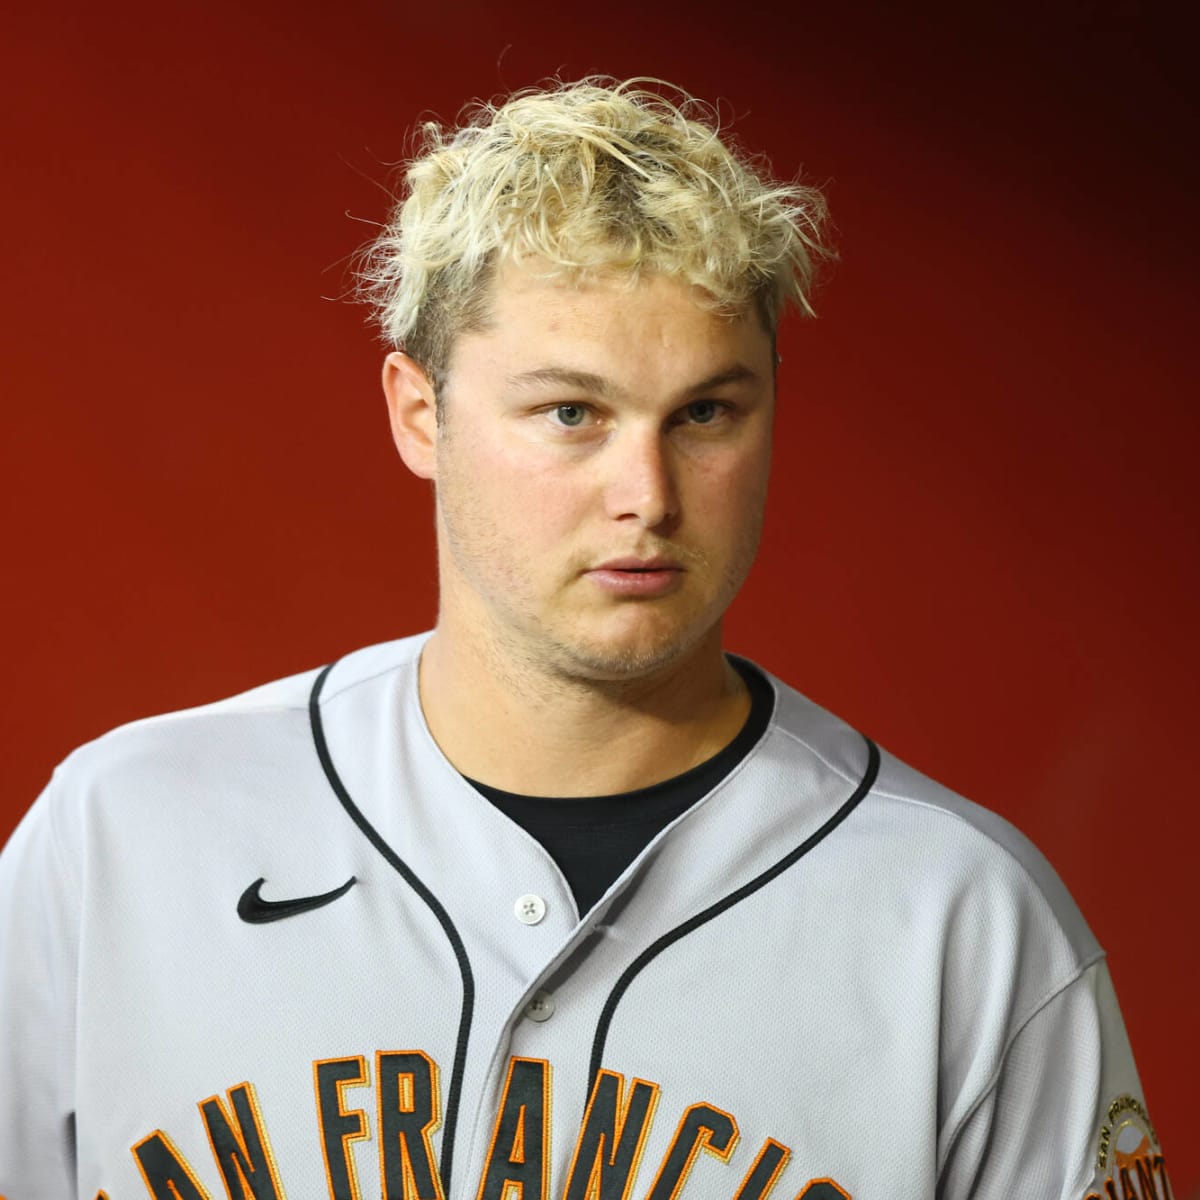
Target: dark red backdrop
[{"x": 982, "y": 546}]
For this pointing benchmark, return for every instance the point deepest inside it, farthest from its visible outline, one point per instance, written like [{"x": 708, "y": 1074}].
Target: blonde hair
[{"x": 595, "y": 176}]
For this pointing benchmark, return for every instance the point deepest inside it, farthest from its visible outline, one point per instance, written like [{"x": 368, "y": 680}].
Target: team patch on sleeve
[{"x": 1129, "y": 1160}]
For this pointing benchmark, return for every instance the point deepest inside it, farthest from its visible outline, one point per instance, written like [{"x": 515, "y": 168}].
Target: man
[{"x": 558, "y": 899}]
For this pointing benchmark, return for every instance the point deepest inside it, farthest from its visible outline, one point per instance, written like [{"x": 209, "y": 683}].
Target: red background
[{"x": 982, "y": 545}]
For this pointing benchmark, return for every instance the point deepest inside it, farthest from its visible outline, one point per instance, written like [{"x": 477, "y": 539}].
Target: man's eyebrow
[
  {"x": 598, "y": 385},
  {"x": 565, "y": 377},
  {"x": 738, "y": 373}
]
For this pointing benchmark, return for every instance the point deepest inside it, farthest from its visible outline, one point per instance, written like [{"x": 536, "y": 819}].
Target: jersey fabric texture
[
  {"x": 278, "y": 945},
  {"x": 593, "y": 839}
]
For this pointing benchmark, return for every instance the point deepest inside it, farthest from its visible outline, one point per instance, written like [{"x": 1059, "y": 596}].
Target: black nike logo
[{"x": 253, "y": 908}]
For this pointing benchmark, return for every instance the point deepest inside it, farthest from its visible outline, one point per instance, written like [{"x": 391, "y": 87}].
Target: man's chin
[{"x": 622, "y": 660}]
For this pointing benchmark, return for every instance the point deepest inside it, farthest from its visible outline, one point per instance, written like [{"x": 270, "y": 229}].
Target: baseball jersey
[{"x": 277, "y": 946}]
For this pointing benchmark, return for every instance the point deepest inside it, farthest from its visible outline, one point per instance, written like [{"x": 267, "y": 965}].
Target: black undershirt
[{"x": 594, "y": 838}]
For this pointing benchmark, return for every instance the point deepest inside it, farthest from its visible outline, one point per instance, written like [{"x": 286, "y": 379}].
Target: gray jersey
[{"x": 277, "y": 945}]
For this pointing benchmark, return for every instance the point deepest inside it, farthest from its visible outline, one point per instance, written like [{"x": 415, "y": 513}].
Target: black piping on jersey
[
  {"x": 715, "y": 910},
  {"x": 435, "y": 906}
]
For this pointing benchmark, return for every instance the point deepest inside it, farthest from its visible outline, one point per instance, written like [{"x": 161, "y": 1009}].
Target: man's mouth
[
  {"x": 639, "y": 565},
  {"x": 637, "y": 577}
]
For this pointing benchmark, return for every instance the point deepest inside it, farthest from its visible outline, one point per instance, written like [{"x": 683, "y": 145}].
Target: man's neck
[{"x": 544, "y": 733}]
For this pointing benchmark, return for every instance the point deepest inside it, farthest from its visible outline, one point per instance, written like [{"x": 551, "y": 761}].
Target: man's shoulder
[
  {"x": 238, "y": 721},
  {"x": 936, "y": 840}
]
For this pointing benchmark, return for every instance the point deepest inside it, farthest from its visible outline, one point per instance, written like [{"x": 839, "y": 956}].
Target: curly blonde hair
[{"x": 595, "y": 176}]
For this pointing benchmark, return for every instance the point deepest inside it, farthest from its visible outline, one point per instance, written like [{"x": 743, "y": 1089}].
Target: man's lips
[
  {"x": 639, "y": 564},
  {"x": 637, "y": 577}
]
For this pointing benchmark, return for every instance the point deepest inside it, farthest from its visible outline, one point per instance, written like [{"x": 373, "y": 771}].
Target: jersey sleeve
[
  {"x": 1064, "y": 1113},
  {"x": 38, "y": 943}
]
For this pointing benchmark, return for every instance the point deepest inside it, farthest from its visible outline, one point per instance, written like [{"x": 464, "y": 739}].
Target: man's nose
[{"x": 641, "y": 483}]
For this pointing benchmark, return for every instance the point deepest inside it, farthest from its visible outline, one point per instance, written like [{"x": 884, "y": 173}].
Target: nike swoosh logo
[{"x": 257, "y": 911}]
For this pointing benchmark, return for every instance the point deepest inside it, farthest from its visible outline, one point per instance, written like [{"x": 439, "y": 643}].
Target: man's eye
[
  {"x": 703, "y": 412},
  {"x": 570, "y": 415}
]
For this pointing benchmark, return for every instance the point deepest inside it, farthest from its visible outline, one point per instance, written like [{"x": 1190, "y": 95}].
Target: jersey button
[
  {"x": 529, "y": 909},
  {"x": 541, "y": 1007}
]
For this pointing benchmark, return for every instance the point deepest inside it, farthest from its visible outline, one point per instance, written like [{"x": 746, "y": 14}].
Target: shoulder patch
[
  {"x": 1129, "y": 1160},
  {"x": 1126, "y": 1132}
]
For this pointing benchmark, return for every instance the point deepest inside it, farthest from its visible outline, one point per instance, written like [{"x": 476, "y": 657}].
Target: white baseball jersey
[{"x": 278, "y": 946}]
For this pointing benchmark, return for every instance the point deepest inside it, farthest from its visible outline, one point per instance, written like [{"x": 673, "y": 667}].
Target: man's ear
[{"x": 413, "y": 412}]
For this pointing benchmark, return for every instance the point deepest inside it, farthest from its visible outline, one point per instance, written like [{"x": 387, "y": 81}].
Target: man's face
[{"x": 601, "y": 468}]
